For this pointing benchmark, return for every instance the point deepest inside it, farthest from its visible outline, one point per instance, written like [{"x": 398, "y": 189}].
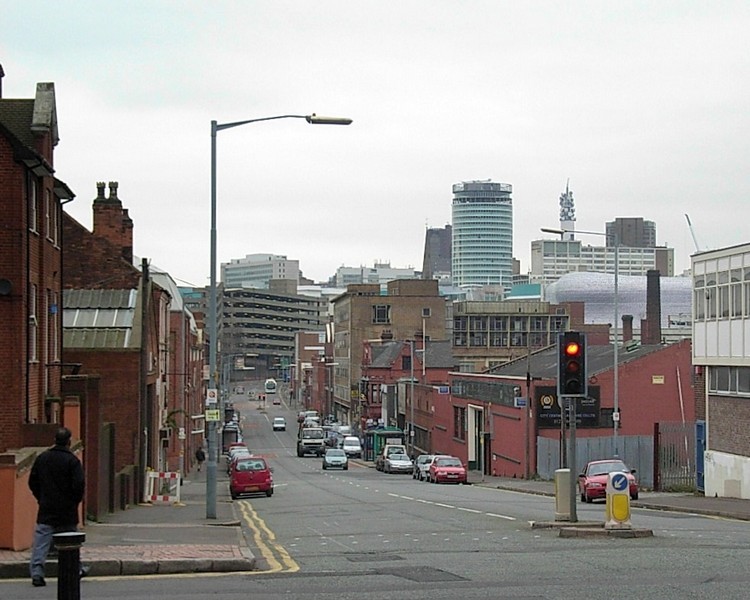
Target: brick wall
[
  {"x": 728, "y": 426},
  {"x": 92, "y": 262}
]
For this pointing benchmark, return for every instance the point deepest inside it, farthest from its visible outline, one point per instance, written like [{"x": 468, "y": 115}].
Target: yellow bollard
[{"x": 618, "y": 502}]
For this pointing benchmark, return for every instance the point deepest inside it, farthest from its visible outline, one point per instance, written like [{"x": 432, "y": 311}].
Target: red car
[
  {"x": 592, "y": 483},
  {"x": 446, "y": 469},
  {"x": 250, "y": 475}
]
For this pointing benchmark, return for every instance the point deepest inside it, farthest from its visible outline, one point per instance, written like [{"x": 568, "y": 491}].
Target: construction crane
[{"x": 692, "y": 233}]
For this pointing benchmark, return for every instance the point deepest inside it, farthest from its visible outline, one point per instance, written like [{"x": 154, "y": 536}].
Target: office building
[
  {"x": 482, "y": 245},
  {"x": 634, "y": 232},
  {"x": 256, "y": 270},
  {"x": 380, "y": 273},
  {"x": 551, "y": 259},
  {"x": 437, "y": 254}
]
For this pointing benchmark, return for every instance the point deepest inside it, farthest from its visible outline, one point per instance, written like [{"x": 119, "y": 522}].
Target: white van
[{"x": 351, "y": 446}]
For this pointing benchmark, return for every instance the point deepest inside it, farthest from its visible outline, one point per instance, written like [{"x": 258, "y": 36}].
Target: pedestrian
[
  {"x": 200, "y": 456},
  {"x": 57, "y": 482}
]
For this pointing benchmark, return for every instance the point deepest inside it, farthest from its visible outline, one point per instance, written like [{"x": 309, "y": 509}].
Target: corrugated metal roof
[{"x": 99, "y": 299}]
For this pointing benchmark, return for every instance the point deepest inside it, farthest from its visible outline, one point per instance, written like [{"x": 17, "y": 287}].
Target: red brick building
[
  {"x": 31, "y": 200},
  {"x": 120, "y": 335}
]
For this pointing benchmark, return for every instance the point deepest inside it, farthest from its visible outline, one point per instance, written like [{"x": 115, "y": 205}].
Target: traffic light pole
[{"x": 571, "y": 400}]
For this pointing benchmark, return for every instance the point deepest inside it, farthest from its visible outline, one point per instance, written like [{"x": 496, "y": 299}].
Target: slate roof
[{"x": 439, "y": 354}]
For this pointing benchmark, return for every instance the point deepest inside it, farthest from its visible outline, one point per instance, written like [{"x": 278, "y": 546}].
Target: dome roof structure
[{"x": 596, "y": 291}]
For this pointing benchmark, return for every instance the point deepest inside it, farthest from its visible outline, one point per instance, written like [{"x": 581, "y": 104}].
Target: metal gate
[{"x": 674, "y": 456}]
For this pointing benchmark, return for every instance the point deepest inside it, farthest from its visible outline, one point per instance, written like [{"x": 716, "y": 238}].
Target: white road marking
[{"x": 506, "y": 517}]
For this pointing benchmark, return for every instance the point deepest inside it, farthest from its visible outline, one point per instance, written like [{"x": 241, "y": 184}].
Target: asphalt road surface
[{"x": 369, "y": 535}]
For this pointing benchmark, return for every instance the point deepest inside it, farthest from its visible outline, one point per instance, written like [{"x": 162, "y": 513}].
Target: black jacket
[{"x": 57, "y": 483}]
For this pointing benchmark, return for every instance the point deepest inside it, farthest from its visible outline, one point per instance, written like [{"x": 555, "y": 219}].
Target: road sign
[
  {"x": 519, "y": 401},
  {"x": 212, "y": 395},
  {"x": 619, "y": 482},
  {"x": 213, "y": 415}
]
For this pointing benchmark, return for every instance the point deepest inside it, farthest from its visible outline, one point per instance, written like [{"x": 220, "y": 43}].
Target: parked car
[
  {"x": 422, "y": 466},
  {"x": 335, "y": 458},
  {"x": 352, "y": 446},
  {"x": 235, "y": 453},
  {"x": 276, "y": 400},
  {"x": 279, "y": 424},
  {"x": 592, "y": 483},
  {"x": 250, "y": 475},
  {"x": 446, "y": 469},
  {"x": 398, "y": 463},
  {"x": 388, "y": 449}
]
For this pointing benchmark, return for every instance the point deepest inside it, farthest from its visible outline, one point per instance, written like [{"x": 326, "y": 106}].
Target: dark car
[{"x": 592, "y": 483}]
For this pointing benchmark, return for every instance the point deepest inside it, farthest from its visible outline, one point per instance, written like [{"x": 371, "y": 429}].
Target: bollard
[
  {"x": 562, "y": 495},
  {"x": 68, "y": 546}
]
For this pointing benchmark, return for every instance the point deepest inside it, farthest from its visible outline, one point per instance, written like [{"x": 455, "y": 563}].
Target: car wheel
[
  {"x": 588, "y": 499},
  {"x": 583, "y": 497},
  {"x": 269, "y": 493},
  {"x": 324, "y": 467},
  {"x": 346, "y": 468},
  {"x": 234, "y": 496}
]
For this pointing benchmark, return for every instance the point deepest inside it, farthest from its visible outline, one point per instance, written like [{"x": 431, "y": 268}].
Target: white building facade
[
  {"x": 721, "y": 355},
  {"x": 256, "y": 270},
  {"x": 380, "y": 273},
  {"x": 551, "y": 259},
  {"x": 482, "y": 238}
]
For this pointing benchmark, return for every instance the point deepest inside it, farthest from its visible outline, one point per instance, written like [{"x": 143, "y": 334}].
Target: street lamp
[
  {"x": 313, "y": 119},
  {"x": 615, "y": 353}
]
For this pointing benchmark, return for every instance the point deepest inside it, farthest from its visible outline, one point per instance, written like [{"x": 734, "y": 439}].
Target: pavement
[{"x": 168, "y": 538}]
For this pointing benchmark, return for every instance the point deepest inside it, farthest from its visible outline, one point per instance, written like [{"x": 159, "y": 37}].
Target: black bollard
[{"x": 68, "y": 546}]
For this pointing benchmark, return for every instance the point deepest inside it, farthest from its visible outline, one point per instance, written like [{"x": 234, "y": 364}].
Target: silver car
[
  {"x": 398, "y": 463},
  {"x": 335, "y": 458},
  {"x": 422, "y": 466}
]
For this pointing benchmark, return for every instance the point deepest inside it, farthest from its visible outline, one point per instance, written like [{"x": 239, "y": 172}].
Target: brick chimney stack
[
  {"x": 627, "y": 328},
  {"x": 651, "y": 327},
  {"x": 111, "y": 220}
]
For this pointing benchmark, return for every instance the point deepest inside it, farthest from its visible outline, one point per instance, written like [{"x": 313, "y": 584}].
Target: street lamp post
[
  {"x": 411, "y": 403},
  {"x": 211, "y": 465},
  {"x": 615, "y": 352}
]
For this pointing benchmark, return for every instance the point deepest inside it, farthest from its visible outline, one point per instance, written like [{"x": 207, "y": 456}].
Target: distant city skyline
[{"x": 619, "y": 99}]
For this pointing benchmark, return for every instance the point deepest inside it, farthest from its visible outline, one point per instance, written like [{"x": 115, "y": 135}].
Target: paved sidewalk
[{"x": 159, "y": 538}]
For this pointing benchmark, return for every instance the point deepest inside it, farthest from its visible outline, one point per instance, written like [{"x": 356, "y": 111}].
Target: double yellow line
[{"x": 276, "y": 556}]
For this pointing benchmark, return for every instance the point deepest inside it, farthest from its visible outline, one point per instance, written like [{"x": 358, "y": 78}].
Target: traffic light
[{"x": 571, "y": 375}]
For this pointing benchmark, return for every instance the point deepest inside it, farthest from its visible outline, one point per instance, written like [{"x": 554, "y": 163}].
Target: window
[
  {"x": 33, "y": 325},
  {"x": 33, "y": 202},
  {"x": 736, "y": 299},
  {"x": 381, "y": 313},
  {"x": 53, "y": 325},
  {"x": 426, "y": 313},
  {"x": 406, "y": 363},
  {"x": 459, "y": 422}
]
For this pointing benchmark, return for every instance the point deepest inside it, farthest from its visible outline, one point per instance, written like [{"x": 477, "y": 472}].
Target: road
[{"x": 368, "y": 535}]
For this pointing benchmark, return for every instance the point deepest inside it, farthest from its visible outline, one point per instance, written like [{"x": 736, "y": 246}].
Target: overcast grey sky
[{"x": 644, "y": 106}]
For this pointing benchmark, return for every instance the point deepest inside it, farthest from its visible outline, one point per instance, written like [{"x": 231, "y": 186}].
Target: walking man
[
  {"x": 57, "y": 482},
  {"x": 200, "y": 456}
]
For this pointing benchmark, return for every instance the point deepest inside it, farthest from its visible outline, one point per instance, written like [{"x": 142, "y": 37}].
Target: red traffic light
[{"x": 572, "y": 349}]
